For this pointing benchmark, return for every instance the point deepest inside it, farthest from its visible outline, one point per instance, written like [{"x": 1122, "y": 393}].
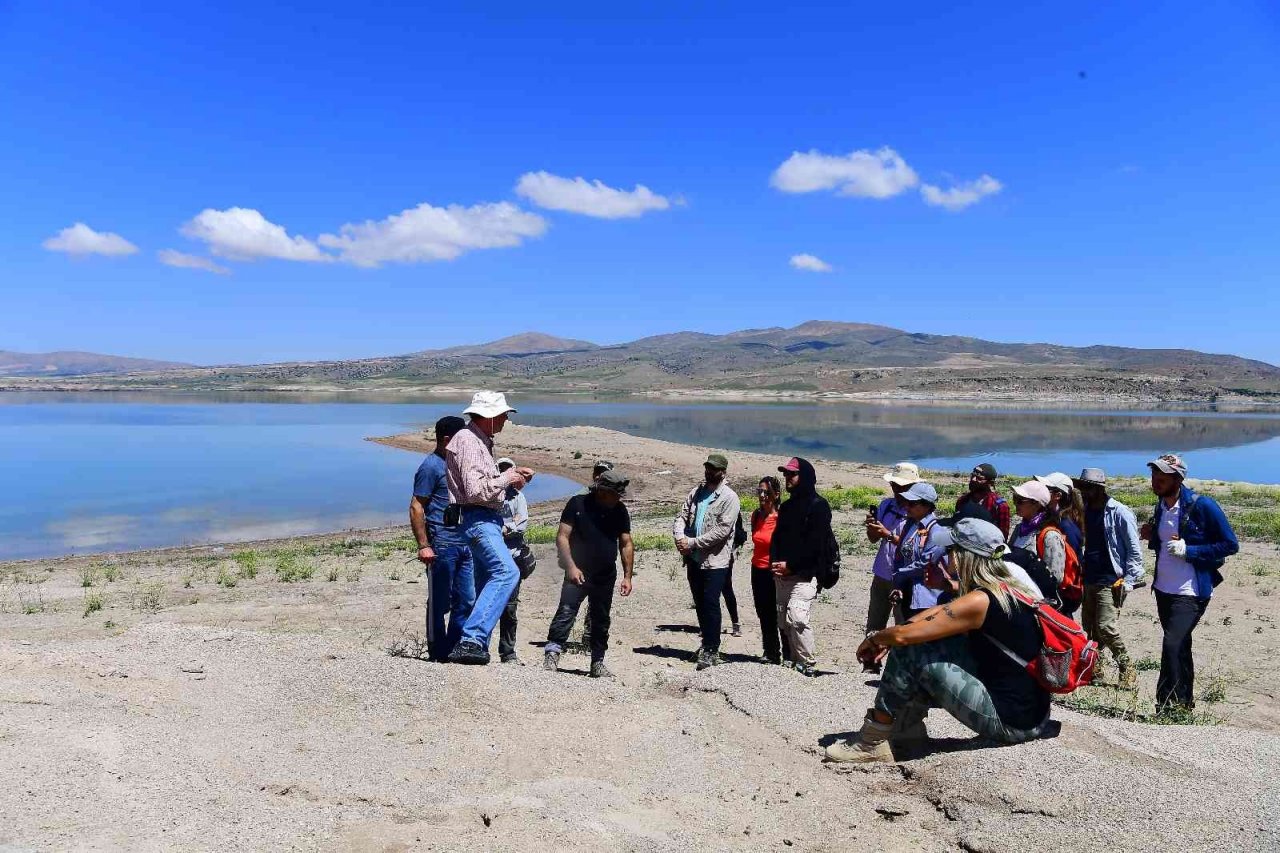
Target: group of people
[{"x": 962, "y": 590}]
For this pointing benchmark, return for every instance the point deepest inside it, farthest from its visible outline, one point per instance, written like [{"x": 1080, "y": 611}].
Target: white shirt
[{"x": 1174, "y": 575}]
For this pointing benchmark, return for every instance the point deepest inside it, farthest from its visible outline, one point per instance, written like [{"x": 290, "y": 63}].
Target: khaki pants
[
  {"x": 881, "y": 607},
  {"x": 795, "y": 599},
  {"x": 1100, "y": 618}
]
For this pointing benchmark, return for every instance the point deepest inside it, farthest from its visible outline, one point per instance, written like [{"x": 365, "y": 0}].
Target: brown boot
[
  {"x": 871, "y": 744},
  {"x": 1128, "y": 677}
]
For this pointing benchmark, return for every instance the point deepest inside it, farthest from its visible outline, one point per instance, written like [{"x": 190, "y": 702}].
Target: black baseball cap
[{"x": 449, "y": 426}]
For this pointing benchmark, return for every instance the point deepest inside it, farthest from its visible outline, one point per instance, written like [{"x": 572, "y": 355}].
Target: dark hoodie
[{"x": 804, "y": 523}]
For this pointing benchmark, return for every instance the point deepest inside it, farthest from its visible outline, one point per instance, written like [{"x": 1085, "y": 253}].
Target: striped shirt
[{"x": 471, "y": 472}]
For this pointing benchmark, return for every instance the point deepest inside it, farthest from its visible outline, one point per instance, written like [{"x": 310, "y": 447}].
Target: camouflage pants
[{"x": 941, "y": 674}]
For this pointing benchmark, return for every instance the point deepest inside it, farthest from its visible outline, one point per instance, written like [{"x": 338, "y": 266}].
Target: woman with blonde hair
[{"x": 950, "y": 656}]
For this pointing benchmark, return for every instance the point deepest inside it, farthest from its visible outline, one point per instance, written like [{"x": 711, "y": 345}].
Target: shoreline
[
  {"x": 661, "y": 473},
  {"x": 1236, "y": 403}
]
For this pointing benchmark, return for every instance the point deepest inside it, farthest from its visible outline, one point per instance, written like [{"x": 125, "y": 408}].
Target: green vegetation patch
[
  {"x": 653, "y": 542},
  {"x": 541, "y": 534},
  {"x": 291, "y": 567}
]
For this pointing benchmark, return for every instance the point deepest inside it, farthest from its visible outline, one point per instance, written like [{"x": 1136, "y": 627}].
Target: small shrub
[
  {"x": 248, "y": 561},
  {"x": 88, "y": 574},
  {"x": 226, "y": 578},
  {"x": 353, "y": 574},
  {"x": 408, "y": 645},
  {"x": 540, "y": 534},
  {"x": 32, "y": 603},
  {"x": 93, "y": 602},
  {"x": 290, "y": 567},
  {"x": 1147, "y": 665},
  {"x": 111, "y": 573},
  {"x": 653, "y": 542},
  {"x": 332, "y": 574},
  {"x": 394, "y": 574},
  {"x": 147, "y": 597},
  {"x": 577, "y": 454}
]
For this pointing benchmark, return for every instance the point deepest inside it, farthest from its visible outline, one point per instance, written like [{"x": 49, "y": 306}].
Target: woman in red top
[{"x": 763, "y": 521}]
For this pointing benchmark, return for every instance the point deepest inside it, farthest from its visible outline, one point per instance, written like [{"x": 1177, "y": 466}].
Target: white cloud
[
  {"x": 172, "y": 258},
  {"x": 80, "y": 239},
  {"x": 866, "y": 174},
  {"x": 810, "y": 263},
  {"x": 426, "y": 233},
  {"x": 244, "y": 234},
  {"x": 961, "y": 195},
  {"x": 577, "y": 195}
]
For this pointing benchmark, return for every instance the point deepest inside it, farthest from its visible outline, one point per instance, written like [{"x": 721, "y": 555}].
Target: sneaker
[
  {"x": 512, "y": 658},
  {"x": 551, "y": 661},
  {"x": 469, "y": 653},
  {"x": 599, "y": 670},
  {"x": 808, "y": 670},
  {"x": 737, "y": 630},
  {"x": 775, "y": 660},
  {"x": 707, "y": 659}
]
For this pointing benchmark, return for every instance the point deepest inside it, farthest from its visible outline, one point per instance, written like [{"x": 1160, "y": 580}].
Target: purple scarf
[{"x": 1029, "y": 528}]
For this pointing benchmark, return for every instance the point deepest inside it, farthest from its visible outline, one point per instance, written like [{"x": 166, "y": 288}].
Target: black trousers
[
  {"x": 730, "y": 600},
  {"x": 706, "y": 586},
  {"x": 765, "y": 595},
  {"x": 507, "y": 625},
  {"x": 598, "y": 591},
  {"x": 1179, "y": 615}
]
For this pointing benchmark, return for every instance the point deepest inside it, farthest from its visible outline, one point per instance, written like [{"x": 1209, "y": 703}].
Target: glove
[{"x": 1176, "y": 548}]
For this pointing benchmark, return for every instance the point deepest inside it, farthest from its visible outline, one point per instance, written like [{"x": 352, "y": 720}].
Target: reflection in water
[{"x": 111, "y": 472}]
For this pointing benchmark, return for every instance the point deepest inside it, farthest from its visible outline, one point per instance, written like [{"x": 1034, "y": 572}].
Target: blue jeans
[
  {"x": 495, "y": 572},
  {"x": 451, "y": 591}
]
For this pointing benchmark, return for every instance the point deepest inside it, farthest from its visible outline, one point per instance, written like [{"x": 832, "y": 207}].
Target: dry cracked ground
[{"x": 192, "y": 714}]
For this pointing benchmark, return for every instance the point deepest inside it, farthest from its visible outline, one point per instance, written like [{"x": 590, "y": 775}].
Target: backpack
[
  {"x": 739, "y": 533},
  {"x": 827, "y": 570},
  {"x": 1072, "y": 587},
  {"x": 1067, "y": 656}
]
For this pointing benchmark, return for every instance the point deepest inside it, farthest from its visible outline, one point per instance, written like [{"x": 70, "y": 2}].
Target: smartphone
[{"x": 452, "y": 515}]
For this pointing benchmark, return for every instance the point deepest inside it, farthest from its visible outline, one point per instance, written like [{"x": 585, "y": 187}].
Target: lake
[{"x": 87, "y": 473}]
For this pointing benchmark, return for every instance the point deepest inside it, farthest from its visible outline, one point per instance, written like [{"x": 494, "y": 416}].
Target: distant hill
[
  {"x": 77, "y": 364},
  {"x": 814, "y": 359}
]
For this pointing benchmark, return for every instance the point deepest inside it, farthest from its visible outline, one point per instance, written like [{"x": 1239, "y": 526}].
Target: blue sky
[{"x": 1134, "y": 203}]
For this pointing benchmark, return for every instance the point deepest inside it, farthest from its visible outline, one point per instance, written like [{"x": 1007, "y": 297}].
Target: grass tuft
[
  {"x": 290, "y": 567},
  {"x": 653, "y": 542},
  {"x": 248, "y": 561},
  {"x": 93, "y": 602},
  {"x": 541, "y": 534},
  {"x": 147, "y": 597},
  {"x": 226, "y": 577}
]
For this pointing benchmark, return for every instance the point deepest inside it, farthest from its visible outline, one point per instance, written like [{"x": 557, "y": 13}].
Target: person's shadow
[
  {"x": 911, "y": 750},
  {"x": 659, "y": 651}
]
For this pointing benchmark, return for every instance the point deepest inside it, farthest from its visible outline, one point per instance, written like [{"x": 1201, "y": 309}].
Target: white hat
[
  {"x": 903, "y": 474},
  {"x": 1034, "y": 491},
  {"x": 1056, "y": 480},
  {"x": 506, "y": 460},
  {"x": 488, "y": 404}
]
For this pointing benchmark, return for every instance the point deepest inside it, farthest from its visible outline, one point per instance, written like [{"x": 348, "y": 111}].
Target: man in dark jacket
[
  {"x": 799, "y": 542},
  {"x": 1192, "y": 539}
]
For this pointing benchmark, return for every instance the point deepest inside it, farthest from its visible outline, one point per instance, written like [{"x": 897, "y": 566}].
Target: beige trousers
[{"x": 795, "y": 600}]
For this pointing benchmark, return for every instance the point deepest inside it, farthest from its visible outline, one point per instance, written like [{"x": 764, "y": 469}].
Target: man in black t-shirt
[{"x": 594, "y": 529}]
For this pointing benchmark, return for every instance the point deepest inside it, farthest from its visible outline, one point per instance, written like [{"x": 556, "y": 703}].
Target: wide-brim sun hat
[
  {"x": 488, "y": 404},
  {"x": 1090, "y": 477},
  {"x": 903, "y": 474}
]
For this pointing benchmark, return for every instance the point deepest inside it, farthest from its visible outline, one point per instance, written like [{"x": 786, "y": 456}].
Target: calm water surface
[{"x": 84, "y": 473}]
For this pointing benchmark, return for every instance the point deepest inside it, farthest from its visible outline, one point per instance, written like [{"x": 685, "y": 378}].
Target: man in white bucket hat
[{"x": 476, "y": 493}]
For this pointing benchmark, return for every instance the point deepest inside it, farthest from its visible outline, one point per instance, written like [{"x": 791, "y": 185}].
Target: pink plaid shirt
[{"x": 471, "y": 473}]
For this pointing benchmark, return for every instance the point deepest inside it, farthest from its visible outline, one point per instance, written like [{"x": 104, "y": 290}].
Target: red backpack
[
  {"x": 1067, "y": 656},
  {"x": 1072, "y": 586}
]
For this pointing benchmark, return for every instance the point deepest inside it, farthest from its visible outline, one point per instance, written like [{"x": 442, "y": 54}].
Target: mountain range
[
  {"x": 813, "y": 359},
  {"x": 77, "y": 364}
]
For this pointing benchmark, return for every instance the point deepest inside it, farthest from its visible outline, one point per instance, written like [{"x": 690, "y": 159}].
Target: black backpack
[
  {"x": 739, "y": 533},
  {"x": 827, "y": 570},
  {"x": 1038, "y": 572}
]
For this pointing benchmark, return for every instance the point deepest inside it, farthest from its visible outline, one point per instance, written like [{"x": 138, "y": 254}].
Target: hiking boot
[
  {"x": 470, "y": 653},
  {"x": 870, "y": 744},
  {"x": 707, "y": 659},
  {"x": 551, "y": 661},
  {"x": 599, "y": 670},
  {"x": 1128, "y": 677},
  {"x": 808, "y": 670},
  {"x": 512, "y": 658},
  {"x": 737, "y": 630}
]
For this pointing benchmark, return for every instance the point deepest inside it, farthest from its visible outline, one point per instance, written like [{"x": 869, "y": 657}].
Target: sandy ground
[{"x": 187, "y": 714}]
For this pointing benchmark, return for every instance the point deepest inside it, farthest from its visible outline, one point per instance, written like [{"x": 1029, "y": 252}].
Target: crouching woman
[{"x": 945, "y": 658}]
